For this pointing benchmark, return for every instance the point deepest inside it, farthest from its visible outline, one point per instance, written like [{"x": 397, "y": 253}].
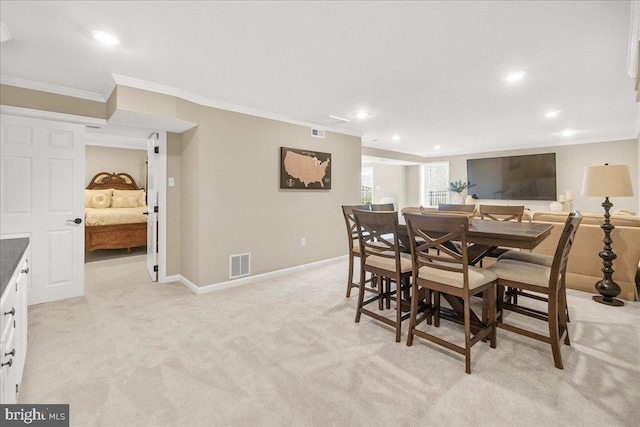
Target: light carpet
[{"x": 286, "y": 351}]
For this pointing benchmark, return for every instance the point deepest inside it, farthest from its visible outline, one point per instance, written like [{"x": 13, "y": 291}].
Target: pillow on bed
[
  {"x": 100, "y": 201},
  {"x": 124, "y": 202},
  {"x": 137, "y": 194},
  {"x": 88, "y": 194}
]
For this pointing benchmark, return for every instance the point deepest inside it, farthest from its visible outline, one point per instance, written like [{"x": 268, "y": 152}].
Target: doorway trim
[{"x": 162, "y": 169}]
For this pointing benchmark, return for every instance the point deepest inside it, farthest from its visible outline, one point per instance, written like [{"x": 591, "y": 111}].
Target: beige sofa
[{"x": 585, "y": 265}]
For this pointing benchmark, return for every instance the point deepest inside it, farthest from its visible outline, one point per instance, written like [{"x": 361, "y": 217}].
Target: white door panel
[{"x": 42, "y": 180}]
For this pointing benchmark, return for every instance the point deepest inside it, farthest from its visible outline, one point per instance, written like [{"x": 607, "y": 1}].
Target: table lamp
[{"x": 607, "y": 181}]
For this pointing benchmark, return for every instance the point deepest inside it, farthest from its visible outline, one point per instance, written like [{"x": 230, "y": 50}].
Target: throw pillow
[{"x": 124, "y": 202}]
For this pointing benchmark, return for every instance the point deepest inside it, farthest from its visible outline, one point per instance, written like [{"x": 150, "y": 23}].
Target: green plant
[{"x": 459, "y": 186}]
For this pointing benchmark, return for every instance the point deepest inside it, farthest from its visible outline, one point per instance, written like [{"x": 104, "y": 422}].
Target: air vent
[
  {"x": 239, "y": 265},
  {"x": 317, "y": 133}
]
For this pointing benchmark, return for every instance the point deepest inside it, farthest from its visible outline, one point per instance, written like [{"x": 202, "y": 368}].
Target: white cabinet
[{"x": 13, "y": 324}]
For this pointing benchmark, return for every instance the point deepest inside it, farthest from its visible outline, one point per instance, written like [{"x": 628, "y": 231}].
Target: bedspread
[{"x": 111, "y": 216}]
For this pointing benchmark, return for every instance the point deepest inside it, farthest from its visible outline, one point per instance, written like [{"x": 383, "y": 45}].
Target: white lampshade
[{"x": 607, "y": 181}]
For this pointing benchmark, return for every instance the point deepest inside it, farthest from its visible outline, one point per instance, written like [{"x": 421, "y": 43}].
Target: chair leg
[
  {"x": 414, "y": 313},
  {"x": 360, "y": 296},
  {"x": 436, "y": 309},
  {"x": 467, "y": 335},
  {"x": 499, "y": 302},
  {"x": 398, "y": 307},
  {"x": 493, "y": 337},
  {"x": 554, "y": 332},
  {"x": 388, "y": 282},
  {"x": 429, "y": 306},
  {"x": 378, "y": 283},
  {"x": 350, "y": 277},
  {"x": 564, "y": 314}
]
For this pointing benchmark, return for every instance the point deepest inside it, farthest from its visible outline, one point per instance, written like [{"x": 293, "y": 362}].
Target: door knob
[{"x": 77, "y": 220}]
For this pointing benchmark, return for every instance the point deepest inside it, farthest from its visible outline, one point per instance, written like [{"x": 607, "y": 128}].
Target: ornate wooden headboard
[{"x": 117, "y": 181}]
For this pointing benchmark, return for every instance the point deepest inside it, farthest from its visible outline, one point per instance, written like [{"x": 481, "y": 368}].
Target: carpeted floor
[{"x": 286, "y": 351}]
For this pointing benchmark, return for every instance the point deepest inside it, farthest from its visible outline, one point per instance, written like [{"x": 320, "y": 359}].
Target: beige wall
[
  {"x": 570, "y": 163},
  {"x": 109, "y": 159},
  {"x": 45, "y": 101},
  {"x": 388, "y": 181},
  {"x": 174, "y": 150},
  {"x": 232, "y": 203}
]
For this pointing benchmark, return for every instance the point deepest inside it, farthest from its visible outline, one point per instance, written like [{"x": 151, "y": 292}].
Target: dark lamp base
[{"x": 608, "y": 301}]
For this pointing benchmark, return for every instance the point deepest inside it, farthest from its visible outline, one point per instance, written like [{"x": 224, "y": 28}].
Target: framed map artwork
[{"x": 304, "y": 169}]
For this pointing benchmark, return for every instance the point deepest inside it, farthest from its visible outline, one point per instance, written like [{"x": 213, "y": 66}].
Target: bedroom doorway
[{"x": 124, "y": 154}]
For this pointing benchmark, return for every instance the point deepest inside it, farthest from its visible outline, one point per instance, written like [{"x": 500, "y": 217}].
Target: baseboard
[
  {"x": 174, "y": 278},
  {"x": 251, "y": 279}
]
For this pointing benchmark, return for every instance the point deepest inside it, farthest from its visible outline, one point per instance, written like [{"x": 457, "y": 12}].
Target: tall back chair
[
  {"x": 456, "y": 208},
  {"x": 352, "y": 239},
  {"x": 538, "y": 278},
  {"x": 382, "y": 207},
  {"x": 442, "y": 270},
  {"x": 381, "y": 258},
  {"x": 501, "y": 213}
]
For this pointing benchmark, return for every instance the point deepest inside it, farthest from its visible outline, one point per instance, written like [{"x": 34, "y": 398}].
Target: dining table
[{"x": 484, "y": 237}]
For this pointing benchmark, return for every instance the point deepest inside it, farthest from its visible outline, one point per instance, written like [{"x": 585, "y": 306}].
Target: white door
[
  {"x": 152, "y": 204},
  {"x": 41, "y": 196}
]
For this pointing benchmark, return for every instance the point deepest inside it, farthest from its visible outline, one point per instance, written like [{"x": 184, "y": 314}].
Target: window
[
  {"x": 367, "y": 185},
  {"x": 434, "y": 183}
]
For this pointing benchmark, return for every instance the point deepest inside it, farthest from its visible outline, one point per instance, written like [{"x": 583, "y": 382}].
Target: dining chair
[
  {"x": 542, "y": 280},
  {"x": 383, "y": 207},
  {"x": 501, "y": 213},
  {"x": 456, "y": 208},
  {"x": 352, "y": 239},
  {"x": 382, "y": 259},
  {"x": 446, "y": 271}
]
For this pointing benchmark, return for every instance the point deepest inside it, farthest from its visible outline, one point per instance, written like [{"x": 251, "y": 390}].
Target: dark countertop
[{"x": 11, "y": 251}]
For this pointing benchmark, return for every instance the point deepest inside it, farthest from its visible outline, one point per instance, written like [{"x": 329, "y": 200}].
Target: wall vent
[
  {"x": 239, "y": 265},
  {"x": 317, "y": 133}
]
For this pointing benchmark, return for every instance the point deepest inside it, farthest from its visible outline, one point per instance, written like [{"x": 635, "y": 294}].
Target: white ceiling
[{"x": 430, "y": 72}]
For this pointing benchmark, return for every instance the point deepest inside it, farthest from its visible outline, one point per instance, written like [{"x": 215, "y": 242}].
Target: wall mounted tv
[{"x": 531, "y": 177}]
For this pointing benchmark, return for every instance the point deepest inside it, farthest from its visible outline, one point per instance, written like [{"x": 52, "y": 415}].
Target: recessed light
[
  {"x": 363, "y": 114},
  {"x": 436, "y": 147},
  {"x": 552, "y": 113},
  {"x": 514, "y": 77},
  {"x": 396, "y": 137},
  {"x": 568, "y": 132},
  {"x": 106, "y": 38}
]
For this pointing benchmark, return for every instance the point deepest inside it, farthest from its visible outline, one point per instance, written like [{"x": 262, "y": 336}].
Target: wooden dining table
[
  {"x": 485, "y": 236},
  {"x": 491, "y": 234}
]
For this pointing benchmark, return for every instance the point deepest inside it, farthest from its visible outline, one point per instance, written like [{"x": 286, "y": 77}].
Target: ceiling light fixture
[
  {"x": 552, "y": 113},
  {"x": 568, "y": 132},
  {"x": 514, "y": 77},
  {"x": 362, "y": 114},
  {"x": 105, "y": 38},
  {"x": 340, "y": 118},
  {"x": 396, "y": 137},
  {"x": 436, "y": 147}
]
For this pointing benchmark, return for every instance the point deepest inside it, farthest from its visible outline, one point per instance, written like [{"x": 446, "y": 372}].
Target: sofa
[{"x": 584, "y": 268}]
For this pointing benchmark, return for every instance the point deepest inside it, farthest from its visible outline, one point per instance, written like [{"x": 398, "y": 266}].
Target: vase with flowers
[{"x": 458, "y": 187}]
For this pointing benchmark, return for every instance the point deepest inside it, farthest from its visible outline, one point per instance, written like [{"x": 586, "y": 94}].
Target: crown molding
[
  {"x": 45, "y": 87},
  {"x": 207, "y": 102},
  {"x": 51, "y": 115},
  {"x": 117, "y": 79}
]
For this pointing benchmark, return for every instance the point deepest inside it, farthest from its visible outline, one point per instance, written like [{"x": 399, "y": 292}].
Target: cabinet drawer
[{"x": 8, "y": 309}]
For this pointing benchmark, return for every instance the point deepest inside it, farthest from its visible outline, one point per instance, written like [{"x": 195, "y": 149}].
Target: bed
[{"x": 115, "y": 210}]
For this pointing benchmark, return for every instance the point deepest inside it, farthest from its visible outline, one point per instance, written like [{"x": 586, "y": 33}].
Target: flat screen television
[{"x": 530, "y": 177}]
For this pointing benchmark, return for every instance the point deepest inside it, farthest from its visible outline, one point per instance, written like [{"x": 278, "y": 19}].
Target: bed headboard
[{"x": 117, "y": 181}]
